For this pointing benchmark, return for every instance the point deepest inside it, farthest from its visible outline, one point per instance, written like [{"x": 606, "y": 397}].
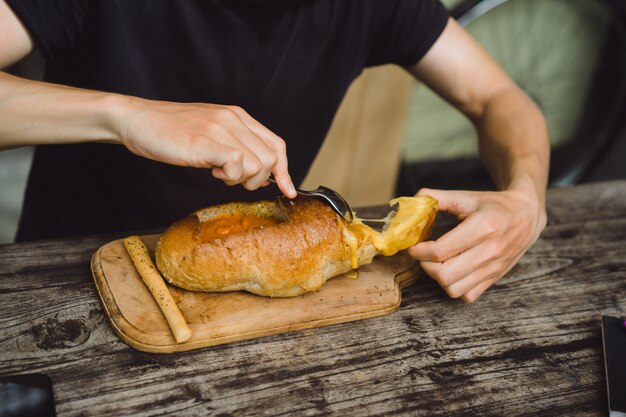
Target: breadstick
[{"x": 154, "y": 281}]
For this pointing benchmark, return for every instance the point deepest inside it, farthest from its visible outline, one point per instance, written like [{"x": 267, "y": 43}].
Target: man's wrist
[
  {"x": 533, "y": 192},
  {"x": 116, "y": 110}
]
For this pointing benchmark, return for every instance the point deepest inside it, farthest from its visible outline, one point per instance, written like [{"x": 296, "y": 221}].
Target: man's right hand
[{"x": 239, "y": 149}]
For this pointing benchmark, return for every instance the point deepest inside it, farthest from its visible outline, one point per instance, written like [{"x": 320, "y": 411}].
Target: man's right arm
[{"x": 238, "y": 148}]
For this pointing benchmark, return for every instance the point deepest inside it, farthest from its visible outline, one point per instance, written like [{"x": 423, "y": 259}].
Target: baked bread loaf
[{"x": 281, "y": 248}]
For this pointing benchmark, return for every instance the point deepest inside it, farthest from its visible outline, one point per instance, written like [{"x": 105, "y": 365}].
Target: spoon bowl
[{"x": 330, "y": 197}]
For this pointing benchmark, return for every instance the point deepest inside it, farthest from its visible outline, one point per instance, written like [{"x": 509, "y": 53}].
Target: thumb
[{"x": 459, "y": 203}]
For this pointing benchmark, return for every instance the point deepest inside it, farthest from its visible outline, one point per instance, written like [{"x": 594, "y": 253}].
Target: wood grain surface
[
  {"x": 218, "y": 318},
  {"x": 529, "y": 347}
]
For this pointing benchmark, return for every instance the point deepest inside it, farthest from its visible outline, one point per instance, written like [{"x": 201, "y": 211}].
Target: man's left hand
[{"x": 496, "y": 229}]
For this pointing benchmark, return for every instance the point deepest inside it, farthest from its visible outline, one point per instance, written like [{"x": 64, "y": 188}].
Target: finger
[
  {"x": 461, "y": 287},
  {"x": 473, "y": 294},
  {"x": 220, "y": 175},
  {"x": 265, "y": 155},
  {"x": 281, "y": 171},
  {"x": 227, "y": 160},
  {"x": 459, "y": 267},
  {"x": 252, "y": 148},
  {"x": 285, "y": 184},
  {"x": 459, "y": 203},
  {"x": 469, "y": 233}
]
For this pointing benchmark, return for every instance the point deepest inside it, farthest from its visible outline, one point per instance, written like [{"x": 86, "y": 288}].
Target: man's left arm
[{"x": 497, "y": 227}]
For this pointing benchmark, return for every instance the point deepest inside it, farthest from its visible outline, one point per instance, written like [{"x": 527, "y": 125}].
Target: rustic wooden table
[{"x": 530, "y": 346}]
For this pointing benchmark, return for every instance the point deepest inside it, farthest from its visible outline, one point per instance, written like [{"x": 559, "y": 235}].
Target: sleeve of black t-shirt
[
  {"x": 402, "y": 31},
  {"x": 55, "y": 25}
]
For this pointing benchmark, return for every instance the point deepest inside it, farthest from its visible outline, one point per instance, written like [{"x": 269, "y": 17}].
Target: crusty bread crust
[{"x": 297, "y": 255}]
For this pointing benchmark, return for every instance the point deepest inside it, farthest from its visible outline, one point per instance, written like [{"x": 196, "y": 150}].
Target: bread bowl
[{"x": 281, "y": 248}]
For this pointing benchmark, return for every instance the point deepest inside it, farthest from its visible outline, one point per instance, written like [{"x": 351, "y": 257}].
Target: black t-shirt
[{"x": 287, "y": 63}]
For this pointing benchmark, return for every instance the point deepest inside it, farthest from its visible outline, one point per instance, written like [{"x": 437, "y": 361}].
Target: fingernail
[{"x": 292, "y": 190}]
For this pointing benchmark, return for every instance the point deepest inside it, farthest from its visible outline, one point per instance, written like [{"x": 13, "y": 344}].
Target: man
[{"x": 218, "y": 85}]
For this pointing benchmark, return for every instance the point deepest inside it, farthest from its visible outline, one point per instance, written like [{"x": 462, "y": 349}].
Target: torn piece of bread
[{"x": 281, "y": 248}]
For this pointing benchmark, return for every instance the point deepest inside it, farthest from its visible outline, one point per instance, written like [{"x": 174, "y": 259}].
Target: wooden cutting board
[{"x": 218, "y": 318}]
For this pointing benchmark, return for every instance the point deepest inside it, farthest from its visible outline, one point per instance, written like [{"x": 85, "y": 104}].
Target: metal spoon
[{"x": 332, "y": 197}]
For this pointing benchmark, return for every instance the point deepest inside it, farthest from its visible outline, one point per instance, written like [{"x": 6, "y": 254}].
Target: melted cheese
[
  {"x": 353, "y": 243},
  {"x": 407, "y": 227},
  {"x": 352, "y": 274}
]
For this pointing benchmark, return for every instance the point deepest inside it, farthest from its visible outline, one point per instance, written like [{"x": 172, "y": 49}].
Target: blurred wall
[{"x": 15, "y": 163}]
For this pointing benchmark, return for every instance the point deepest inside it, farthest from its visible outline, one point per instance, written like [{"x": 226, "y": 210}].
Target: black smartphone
[
  {"x": 614, "y": 344},
  {"x": 26, "y": 396}
]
